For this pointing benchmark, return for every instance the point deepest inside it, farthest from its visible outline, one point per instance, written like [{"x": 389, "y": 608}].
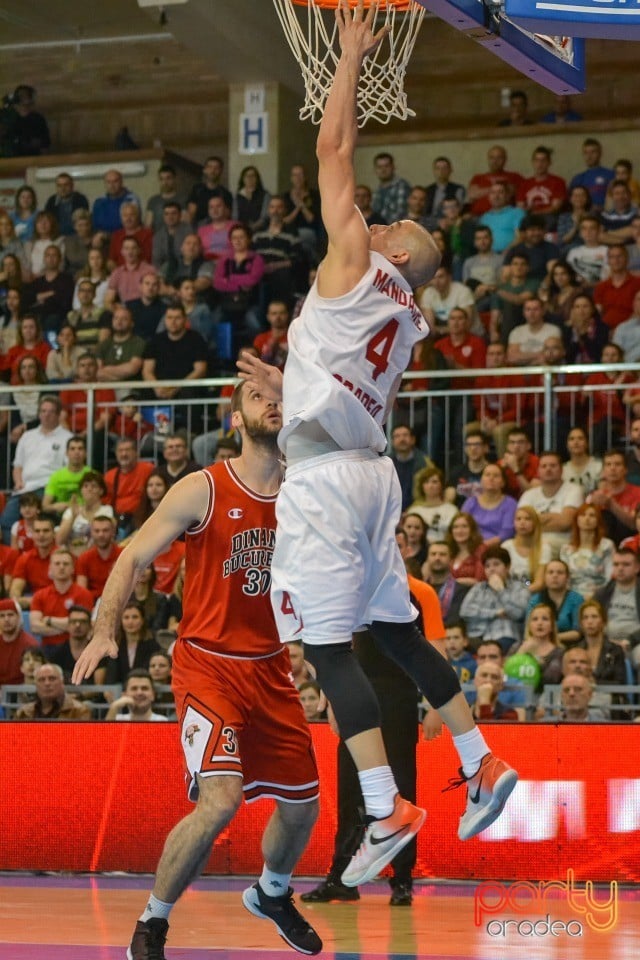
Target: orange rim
[{"x": 332, "y": 4}]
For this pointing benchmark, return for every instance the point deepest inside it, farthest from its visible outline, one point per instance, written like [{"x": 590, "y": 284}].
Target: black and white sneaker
[
  {"x": 290, "y": 924},
  {"x": 148, "y": 940}
]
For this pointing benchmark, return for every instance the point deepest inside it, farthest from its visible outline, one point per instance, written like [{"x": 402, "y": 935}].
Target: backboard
[
  {"x": 554, "y": 61},
  {"x": 603, "y": 19}
]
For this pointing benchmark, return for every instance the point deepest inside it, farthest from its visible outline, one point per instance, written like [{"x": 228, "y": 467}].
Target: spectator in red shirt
[
  {"x": 615, "y": 296},
  {"x": 131, "y": 227},
  {"x": 497, "y": 412},
  {"x": 605, "y": 407},
  {"x": 617, "y": 499},
  {"x": 74, "y": 408},
  {"x": 126, "y": 483},
  {"x": 14, "y": 640},
  {"x": 50, "y": 606},
  {"x": 8, "y": 557},
  {"x": 31, "y": 571},
  {"x": 167, "y": 566},
  {"x": 462, "y": 350},
  {"x": 519, "y": 464},
  {"x": 31, "y": 343},
  {"x": 272, "y": 345},
  {"x": 481, "y": 183},
  {"x": 544, "y": 192},
  {"x": 95, "y": 564}
]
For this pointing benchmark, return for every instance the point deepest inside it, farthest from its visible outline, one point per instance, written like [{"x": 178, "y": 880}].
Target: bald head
[{"x": 410, "y": 248}]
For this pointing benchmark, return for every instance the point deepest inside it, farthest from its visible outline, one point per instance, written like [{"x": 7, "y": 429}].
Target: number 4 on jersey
[
  {"x": 379, "y": 347},
  {"x": 286, "y": 607}
]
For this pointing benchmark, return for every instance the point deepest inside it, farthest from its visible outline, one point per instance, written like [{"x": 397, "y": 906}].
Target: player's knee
[
  {"x": 219, "y": 800},
  {"x": 346, "y": 687},
  {"x": 406, "y": 646},
  {"x": 299, "y": 816}
]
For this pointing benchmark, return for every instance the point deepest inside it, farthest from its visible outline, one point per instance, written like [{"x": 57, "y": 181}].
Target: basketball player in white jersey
[{"x": 336, "y": 565}]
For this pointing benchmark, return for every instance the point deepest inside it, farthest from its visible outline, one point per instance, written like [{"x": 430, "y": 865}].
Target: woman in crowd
[
  {"x": 10, "y": 276},
  {"x": 529, "y": 555},
  {"x": 465, "y": 543},
  {"x": 492, "y": 510},
  {"x": 9, "y": 243},
  {"x": 75, "y": 525},
  {"x": 154, "y": 605},
  {"x": 564, "y": 602},
  {"x": 558, "y": 291},
  {"x": 24, "y": 213},
  {"x": 135, "y": 647},
  {"x": 160, "y": 666},
  {"x": 29, "y": 342},
  {"x": 154, "y": 490},
  {"x": 607, "y": 658},
  {"x": 429, "y": 503},
  {"x": 569, "y": 220},
  {"x": 313, "y": 702},
  {"x": 589, "y": 554},
  {"x": 61, "y": 362},
  {"x": 584, "y": 333},
  {"x": 541, "y": 642},
  {"x": 46, "y": 233},
  {"x": 416, "y": 530},
  {"x": 198, "y": 313},
  {"x": 581, "y": 467},
  {"x": 11, "y": 316},
  {"x": 251, "y": 202},
  {"x": 96, "y": 271},
  {"x": 237, "y": 279},
  {"x": 29, "y": 373}
]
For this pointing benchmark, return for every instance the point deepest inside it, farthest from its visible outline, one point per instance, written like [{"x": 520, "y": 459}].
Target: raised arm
[{"x": 348, "y": 250}]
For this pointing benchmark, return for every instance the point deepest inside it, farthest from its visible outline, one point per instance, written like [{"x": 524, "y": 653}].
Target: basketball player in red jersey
[
  {"x": 336, "y": 564},
  {"x": 242, "y": 726}
]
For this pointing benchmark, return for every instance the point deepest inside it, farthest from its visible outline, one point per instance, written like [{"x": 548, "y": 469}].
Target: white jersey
[{"x": 346, "y": 354}]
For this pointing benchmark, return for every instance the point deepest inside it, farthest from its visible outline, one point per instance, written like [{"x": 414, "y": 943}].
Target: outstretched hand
[
  {"x": 356, "y": 29},
  {"x": 93, "y": 653},
  {"x": 267, "y": 380}
]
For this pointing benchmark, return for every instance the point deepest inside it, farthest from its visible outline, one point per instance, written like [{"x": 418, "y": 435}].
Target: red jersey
[
  {"x": 124, "y": 490},
  {"x": 96, "y": 569},
  {"x": 51, "y": 603},
  {"x": 167, "y": 565},
  {"x": 226, "y": 602},
  {"x": 33, "y": 569}
]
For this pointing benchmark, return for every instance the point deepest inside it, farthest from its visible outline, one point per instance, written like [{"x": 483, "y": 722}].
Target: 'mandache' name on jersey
[{"x": 385, "y": 284}]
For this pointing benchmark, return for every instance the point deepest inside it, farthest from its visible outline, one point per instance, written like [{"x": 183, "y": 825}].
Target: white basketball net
[{"x": 312, "y": 34}]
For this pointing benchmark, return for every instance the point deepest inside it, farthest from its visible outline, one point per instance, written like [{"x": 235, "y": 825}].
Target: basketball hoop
[{"x": 314, "y": 42}]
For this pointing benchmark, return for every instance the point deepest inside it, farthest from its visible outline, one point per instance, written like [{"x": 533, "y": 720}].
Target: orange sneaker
[
  {"x": 383, "y": 839},
  {"x": 487, "y": 792}
]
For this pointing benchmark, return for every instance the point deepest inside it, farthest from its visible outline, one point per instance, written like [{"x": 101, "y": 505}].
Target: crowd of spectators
[{"x": 525, "y": 547}]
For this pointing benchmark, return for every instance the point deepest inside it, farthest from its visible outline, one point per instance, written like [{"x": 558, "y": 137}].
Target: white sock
[
  {"x": 274, "y": 884},
  {"x": 379, "y": 791},
  {"x": 156, "y": 909},
  {"x": 471, "y": 748}
]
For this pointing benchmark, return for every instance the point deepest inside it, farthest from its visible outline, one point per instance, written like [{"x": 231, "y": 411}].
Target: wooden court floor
[{"x": 91, "y": 918}]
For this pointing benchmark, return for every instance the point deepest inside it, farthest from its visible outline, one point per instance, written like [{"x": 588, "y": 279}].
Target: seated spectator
[
  {"x": 177, "y": 464},
  {"x": 564, "y": 602},
  {"x": 125, "y": 484},
  {"x": 441, "y": 296},
  {"x": 429, "y": 503},
  {"x": 566, "y": 405},
  {"x": 189, "y": 265},
  {"x": 558, "y": 291},
  {"x": 481, "y": 183},
  {"x": 169, "y": 194},
  {"x": 74, "y": 531},
  {"x": 576, "y": 694},
  {"x": 616, "y": 498},
  {"x": 589, "y": 258},
  {"x": 518, "y": 111},
  {"x": 89, "y": 321},
  {"x": 251, "y": 202},
  {"x": 214, "y": 233},
  {"x": 459, "y": 228},
  {"x": 615, "y": 295},
  {"x": 363, "y": 197},
  {"x": 437, "y": 573},
  {"x": 285, "y": 261},
  {"x": 210, "y": 186},
  {"x": 160, "y": 666},
  {"x": 495, "y": 608},
  {"x": 136, "y": 646},
  {"x": 46, "y": 234},
  {"x": 52, "y": 702},
  {"x": 75, "y": 407},
  {"x": 30, "y": 343},
  {"x": 10, "y": 310},
  {"x": 607, "y": 656},
  {"x": 50, "y": 295},
  {"x": 131, "y": 227},
  {"x": 39, "y": 452},
  {"x": 61, "y": 362},
  {"x": 416, "y": 209},
  {"x": 299, "y": 669},
  {"x": 120, "y": 355},
  {"x": 68, "y": 480},
  {"x": 595, "y": 178},
  {"x": 621, "y": 599},
  {"x": 415, "y": 529},
  {"x": 10, "y": 245},
  {"x": 31, "y": 660},
  {"x": 489, "y": 703},
  {"x": 79, "y": 243},
  {"x": 508, "y": 299},
  {"x": 199, "y": 316},
  {"x": 555, "y": 501},
  {"x": 502, "y": 219},
  {"x": 138, "y": 699},
  {"x": 129, "y": 421},
  {"x": 464, "y": 480},
  {"x": 24, "y": 213},
  {"x": 95, "y": 271},
  {"x": 492, "y": 510},
  {"x": 456, "y": 644},
  {"x": 465, "y": 543},
  {"x": 541, "y": 642},
  {"x": 543, "y": 194},
  {"x": 29, "y": 373},
  {"x": 313, "y": 702},
  {"x": 589, "y": 554},
  {"x": 155, "y": 605},
  {"x": 627, "y": 334},
  {"x": 526, "y": 341},
  {"x": 64, "y": 202},
  {"x": 106, "y": 209},
  {"x": 584, "y": 334},
  {"x": 563, "y": 112},
  {"x": 407, "y": 458},
  {"x": 272, "y": 345},
  {"x": 237, "y": 279},
  {"x": 481, "y": 272},
  {"x": 616, "y": 219},
  {"x": 95, "y": 564},
  {"x": 22, "y": 530},
  {"x": 539, "y": 252},
  {"x": 124, "y": 283},
  {"x": 442, "y": 188},
  {"x": 79, "y": 627},
  {"x": 516, "y": 695},
  {"x": 529, "y": 555},
  {"x": 497, "y": 412},
  {"x": 302, "y": 211},
  {"x": 49, "y": 616},
  {"x": 14, "y": 642},
  {"x": 168, "y": 236},
  {"x": 148, "y": 308}
]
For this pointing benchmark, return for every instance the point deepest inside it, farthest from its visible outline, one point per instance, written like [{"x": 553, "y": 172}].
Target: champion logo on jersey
[{"x": 236, "y": 513}]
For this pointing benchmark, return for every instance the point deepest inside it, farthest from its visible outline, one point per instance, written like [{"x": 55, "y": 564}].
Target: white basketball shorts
[{"x": 336, "y": 564}]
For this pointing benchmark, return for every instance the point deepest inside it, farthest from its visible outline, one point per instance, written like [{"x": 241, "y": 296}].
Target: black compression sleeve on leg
[
  {"x": 405, "y": 645},
  {"x": 346, "y": 687}
]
